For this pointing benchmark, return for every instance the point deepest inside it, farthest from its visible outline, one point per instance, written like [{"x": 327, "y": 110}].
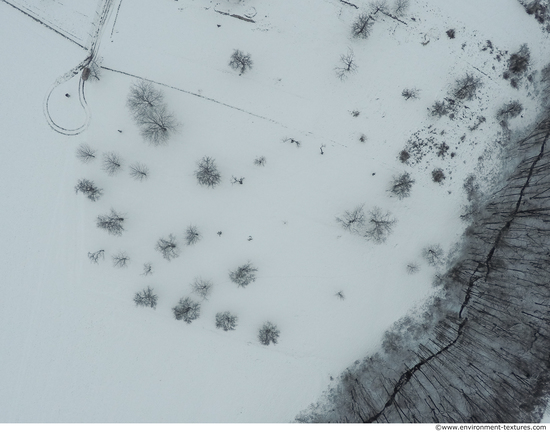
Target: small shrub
[
  {"x": 89, "y": 189},
  {"x": 147, "y": 269},
  {"x": 202, "y": 287},
  {"x": 437, "y": 175},
  {"x": 451, "y": 33},
  {"x": 95, "y": 256},
  {"x": 404, "y": 156},
  {"x": 363, "y": 138},
  {"x": 401, "y": 185},
  {"x": 433, "y": 254},
  {"x": 187, "y": 310},
  {"x": 226, "y": 321},
  {"x": 260, "y": 161},
  {"x": 85, "y": 154},
  {"x": 146, "y": 298},
  {"x": 471, "y": 187},
  {"x": 410, "y": 93},
  {"x": 412, "y": 268},
  {"x": 268, "y": 334},
  {"x": 340, "y": 295},
  {"x": 120, "y": 260},
  {"x": 293, "y": 141},
  {"x": 139, "y": 171},
  {"x": 168, "y": 247},
  {"x": 243, "y": 275},
  {"x": 240, "y": 61},
  {"x": 111, "y": 222},
  {"x": 112, "y": 163},
  {"x": 207, "y": 173},
  {"x": 192, "y": 235}
]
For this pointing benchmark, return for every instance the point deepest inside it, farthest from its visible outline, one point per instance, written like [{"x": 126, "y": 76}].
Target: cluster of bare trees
[
  {"x": 377, "y": 225},
  {"x": 146, "y": 104},
  {"x": 476, "y": 350},
  {"x": 361, "y": 28}
]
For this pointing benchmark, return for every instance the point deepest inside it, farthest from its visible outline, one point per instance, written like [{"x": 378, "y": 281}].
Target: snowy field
[{"x": 75, "y": 348}]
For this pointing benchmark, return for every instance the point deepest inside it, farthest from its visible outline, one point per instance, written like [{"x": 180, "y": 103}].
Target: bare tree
[
  {"x": 465, "y": 88},
  {"x": 404, "y": 156},
  {"x": 120, "y": 259},
  {"x": 226, "y": 321},
  {"x": 111, "y": 222},
  {"x": 146, "y": 298},
  {"x": 147, "y": 269},
  {"x": 112, "y": 163},
  {"x": 168, "y": 247},
  {"x": 243, "y": 275},
  {"x": 157, "y": 125},
  {"x": 348, "y": 65},
  {"x": 143, "y": 97},
  {"x": 207, "y": 173},
  {"x": 401, "y": 185},
  {"x": 380, "y": 225},
  {"x": 202, "y": 287},
  {"x": 400, "y": 7},
  {"x": 410, "y": 93},
  {"x": 85, "y": 153},
  {"x": 519, "y": 61},
  {"x": 192, "y": 235},
  {"x": 340, "y": 295},
  {"x": 89, "y": 189},
  {"x": 260, "y": 161},
  {"x": 95, "y": 256},
  {"x": 187, "y": 310},
  {"x": 438, "y": 175},
  {"x": 509, "y": 111},
  {"x": 362, "y": 26},
  {"x": 354, "y": 220},
  {"x": 269, "y": 333},
  {"x": 240, "y": 61},
  {"x": 139, "y": 171},
  {"x": 412, "y": 268},
  {"x": 440, "y": 109},
  {"x": 433, "y": 254}
]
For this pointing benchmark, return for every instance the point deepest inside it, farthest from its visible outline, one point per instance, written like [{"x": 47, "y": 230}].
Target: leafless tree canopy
[
  {"x": 226, "y": 321},
  {"x": 207, "y": 172},
  {"x": 139, "y": 171},
  {"x": 243, "y": 275},
  {"x": 465, "y": 88},
  {"x": 112, "y": 223},
  {"x": 89, "y": 189},
  {"x": 412, "y": 268},
  {"x": 202, "y": 287},
  {"x": 347, "y": 65},
  {"x": 400, "y": 7},
  {"x": 112, "y": 163},
  {"x": 120, "y": 260},
  {"x": 410, "y": 93},
  {"x": 269, "y": 333},
  {"x": 95, "y": 256},
  {"x": 240, "y": 61},
  {"x": 401, "y": 185},
  {"x": 147, "y": 269},
  {"x": 438, "y": 175},
  {"x": 379, "y": 225},
  {"x": 146, "y": 298},
  {"x": 260, "y": 161},
  {"x": 519, "y": 61},
  {"x": 434, "y": 255},
  {"x": 192, "y": 235},
  {"x": 157, "y": 124},
  {"x": 509, "y": 111},
  {"x": 144, "y": 97},
  {"x": 85, "y": 153},
  {"x": 168, "y": 247},
  {"x": 362, "y": 26},
  {"x": 187, "y": 310},
  {"x": 354, "y": 220}
]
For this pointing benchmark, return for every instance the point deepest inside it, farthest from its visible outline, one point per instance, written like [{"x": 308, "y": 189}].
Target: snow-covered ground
[{"x": 75, "y": 347}]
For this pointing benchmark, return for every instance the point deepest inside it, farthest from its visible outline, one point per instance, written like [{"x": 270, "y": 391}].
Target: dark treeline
[{"x": 481, "y": 350}]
